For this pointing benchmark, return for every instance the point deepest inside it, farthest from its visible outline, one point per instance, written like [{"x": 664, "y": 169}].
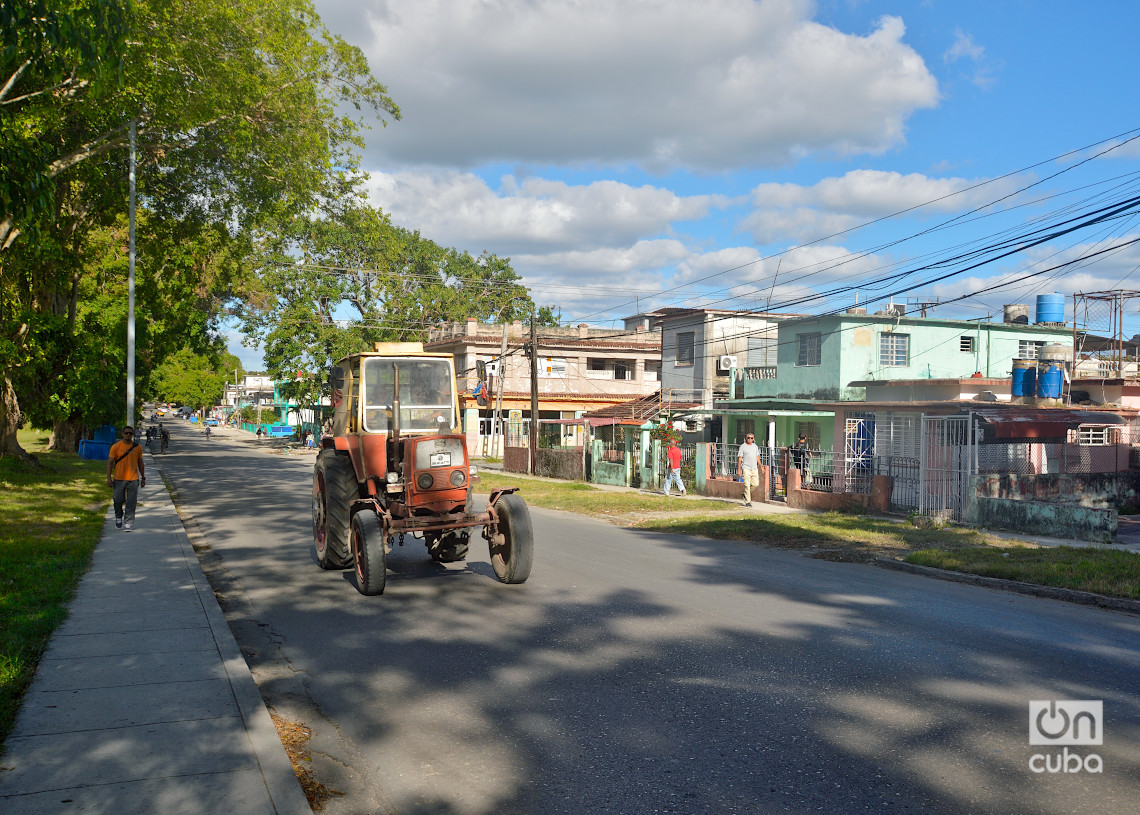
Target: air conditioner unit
[{"x": 727, "y": 361}]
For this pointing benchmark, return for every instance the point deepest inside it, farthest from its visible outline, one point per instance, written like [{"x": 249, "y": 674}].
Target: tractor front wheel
[
  {"x": 369, "y": 551},
  {"x": 512, "y": 550}
]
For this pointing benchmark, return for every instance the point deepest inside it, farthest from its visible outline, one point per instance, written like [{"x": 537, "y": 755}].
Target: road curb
[
  {"x": 1086, "y": 598},
  {"x": 284, "y": 787}
]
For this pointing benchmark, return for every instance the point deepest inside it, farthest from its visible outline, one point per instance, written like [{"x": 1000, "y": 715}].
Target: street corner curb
[
  {"x": 1086, "y": 598},
  {"x": 284, "y": 788}
]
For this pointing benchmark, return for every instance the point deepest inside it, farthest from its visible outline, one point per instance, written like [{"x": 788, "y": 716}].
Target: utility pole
[
  {"x": 497, "y": 394},
  {"x": 533, "y": 394},
  {"x": 131, "y": 289}
]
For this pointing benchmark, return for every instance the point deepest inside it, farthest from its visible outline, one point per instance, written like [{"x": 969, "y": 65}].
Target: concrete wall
[
  {"x": 1091, "y": 490},
  {"x": 516, "y": 459},
  {"x": 565, "y": 464},
  {"x": 877, "y": 501},
  {"x": 1043, "y": 518},
  {"x": 608, "y": 472}
]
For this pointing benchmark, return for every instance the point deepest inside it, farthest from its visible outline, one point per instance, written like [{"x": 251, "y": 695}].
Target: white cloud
[
  {"x": 661, "y": 83},
  {"x": 792, "y": 212},
  {"x": 964, "y": 47},
  {"x": 531, "y": 215}
]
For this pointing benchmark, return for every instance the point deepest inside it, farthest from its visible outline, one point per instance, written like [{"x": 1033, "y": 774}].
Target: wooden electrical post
[{"x": 533, "y": 394}]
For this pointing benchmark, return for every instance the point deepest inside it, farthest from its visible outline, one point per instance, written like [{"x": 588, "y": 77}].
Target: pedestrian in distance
[
  {"x": 163, "y": 438},
  {"x": 259, "y": 432},
  {"x": 674, "y": 477},
  {"x": 125, "y": 474},
  {"x": 802, "y": 454},
  {"x": 748, "y": 466}
]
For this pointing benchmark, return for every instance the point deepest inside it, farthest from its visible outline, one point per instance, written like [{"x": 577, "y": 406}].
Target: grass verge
[
  {"x": 843, "y": 537},
  {"x": 51, "y": 516},
  {"x": 586, "y": 499},
  {"x": 1111, "y": 572}
]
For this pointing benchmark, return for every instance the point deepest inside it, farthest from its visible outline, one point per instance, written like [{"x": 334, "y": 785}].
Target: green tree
[
  {"x": 333, "y": 286},
  {"x": 195, "y": 380},
  {"x": 245, "y": 111}
]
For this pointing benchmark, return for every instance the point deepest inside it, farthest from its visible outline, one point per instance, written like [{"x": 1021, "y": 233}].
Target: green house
[{"x": 825, "y": 359}]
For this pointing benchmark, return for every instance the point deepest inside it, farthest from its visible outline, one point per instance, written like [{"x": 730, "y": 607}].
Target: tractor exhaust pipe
[{"x": 396, "y": 448}]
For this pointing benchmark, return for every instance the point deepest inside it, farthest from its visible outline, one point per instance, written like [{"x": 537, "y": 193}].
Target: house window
[
  {"x": 622, "y": 371},
  {"x": 685, "y": 347},
  {"x": 595, "y": 364},
  {"x": 1096, "y": 436},
  {"x": 808, "y": 349},
  {"x": 1028, "y": 349},
  {"x": 745, "y": 428},
  {"x": 966, "y": 344},
  {"x": 894, "y": 350}
]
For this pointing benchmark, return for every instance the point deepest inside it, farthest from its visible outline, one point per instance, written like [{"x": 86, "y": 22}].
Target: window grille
[
  {"x": 1029, "y": 349},
  {"x": 809, "y": 350},
  {"x": 966, "y": 344},
  {"x": 685, "y": 349},
  {"x": 894, "y": 350}
]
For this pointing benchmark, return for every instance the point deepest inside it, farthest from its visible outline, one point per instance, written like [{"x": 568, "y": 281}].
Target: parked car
[{"x": 211, "y": 422}]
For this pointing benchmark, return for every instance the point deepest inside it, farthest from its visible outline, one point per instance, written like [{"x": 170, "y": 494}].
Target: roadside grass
[
  {"x": 1111, "y": 572},
  {"x": 51, "y": 517},
  {"x": 844, "y": 537},
  {"x": 586, "y": 499}
]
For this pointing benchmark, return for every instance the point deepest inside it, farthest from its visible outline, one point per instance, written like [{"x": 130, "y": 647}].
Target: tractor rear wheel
[
  {"x": 370, "y": 553},
  {"x": 334, "y": 489},
  {"x": 512, "y": 550}
]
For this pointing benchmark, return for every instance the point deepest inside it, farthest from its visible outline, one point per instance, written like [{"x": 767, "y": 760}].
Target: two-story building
[
  {"x": 830, "y": 359},
  {"x": 699, "y": 349},
  {"x": 580, "y": 369}
]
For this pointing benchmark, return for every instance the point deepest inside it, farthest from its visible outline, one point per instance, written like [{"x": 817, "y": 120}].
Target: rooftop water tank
[
  {"x": 1017, "y": 313},
  {"x": 1051, "y": 308}
]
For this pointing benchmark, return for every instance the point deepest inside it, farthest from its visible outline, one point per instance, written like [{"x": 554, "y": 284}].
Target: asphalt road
[{"x": 641, "y": 673}]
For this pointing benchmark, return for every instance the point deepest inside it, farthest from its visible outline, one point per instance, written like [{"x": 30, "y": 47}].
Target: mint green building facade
[{"x": 819, "y": 358}]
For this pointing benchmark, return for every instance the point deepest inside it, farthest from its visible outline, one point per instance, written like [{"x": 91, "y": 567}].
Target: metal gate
[
  {"x": 904, "y": 474},
  {"x": 859, "y": 454},
  {"x": 947, "y": 464},
  {"x": 635, "y": 464}
]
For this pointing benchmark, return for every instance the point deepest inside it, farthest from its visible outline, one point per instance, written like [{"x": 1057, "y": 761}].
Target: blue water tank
[
  {"x": 1051, "y": 308},
  {"x": 1024, "y": 378},
  {"x": 1050, "y": 380}
]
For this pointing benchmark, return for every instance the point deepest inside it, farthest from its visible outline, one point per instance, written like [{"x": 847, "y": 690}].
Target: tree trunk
[
  {"x": 10, "y": 423},
  {"x": 65, "y": 437}
]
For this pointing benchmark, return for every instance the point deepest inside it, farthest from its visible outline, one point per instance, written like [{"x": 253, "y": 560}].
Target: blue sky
[{"x": 630, "y": 155}]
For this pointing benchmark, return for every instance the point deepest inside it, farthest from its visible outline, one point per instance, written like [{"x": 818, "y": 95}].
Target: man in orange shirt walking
[{"x": 125, "y": 474}]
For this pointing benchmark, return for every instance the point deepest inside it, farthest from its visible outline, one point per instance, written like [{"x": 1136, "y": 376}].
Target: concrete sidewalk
[{"x": 143, "y": 702}]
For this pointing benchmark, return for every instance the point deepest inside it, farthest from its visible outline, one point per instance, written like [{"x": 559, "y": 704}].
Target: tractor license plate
[{"x": 439, "y": 460}]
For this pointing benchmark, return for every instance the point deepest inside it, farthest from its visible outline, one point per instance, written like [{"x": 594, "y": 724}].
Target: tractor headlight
[
  {"x": 458, "y": 479},
  {"x": 393, "y": 478},
  {"x": 473, "y": 470},
  {"x": 424, "y": 481}
]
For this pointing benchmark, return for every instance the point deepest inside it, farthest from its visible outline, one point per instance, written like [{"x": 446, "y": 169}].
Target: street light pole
[{"x": 131, "y": 290}]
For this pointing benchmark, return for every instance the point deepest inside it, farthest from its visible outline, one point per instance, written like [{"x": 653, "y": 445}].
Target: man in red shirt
[
  {"x": 674, "y": 456},
  {"x": 125, "y": 474}
]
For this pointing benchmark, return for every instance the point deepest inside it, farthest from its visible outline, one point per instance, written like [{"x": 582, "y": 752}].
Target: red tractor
[{"x": 395, "y": 464}]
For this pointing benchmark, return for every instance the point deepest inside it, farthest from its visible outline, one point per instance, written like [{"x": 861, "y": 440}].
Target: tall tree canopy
[
  {"x": 247, "y": 111},
  {"x": 333, "y": 285}
]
